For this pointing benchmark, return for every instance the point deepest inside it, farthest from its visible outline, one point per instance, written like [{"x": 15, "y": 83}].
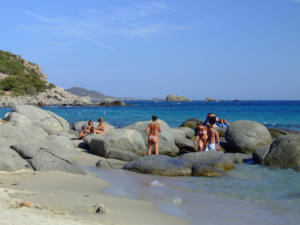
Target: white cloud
[{"x": 97, "y": 26}]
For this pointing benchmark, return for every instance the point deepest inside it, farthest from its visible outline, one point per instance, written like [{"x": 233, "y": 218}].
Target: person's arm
[
  {"x": 159, "y": 130},
  {"x": 228, "y": 124},
  {"x": 147, "y": 130},
  {"x": 104, "y": 128},
  {"x": 197, "y": 139},
  {"x": 218, "y": 141}
]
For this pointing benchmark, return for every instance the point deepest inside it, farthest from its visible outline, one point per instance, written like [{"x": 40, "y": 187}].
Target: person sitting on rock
[
  {"x": 201, "y": 136},
  {"x": 152, "y": 131},
  {"x": 87, "y": 130},
  {"x": 222, "y": 122},
  {"x": 213, "y": 139},
  {"x": 101, "y": 128}
]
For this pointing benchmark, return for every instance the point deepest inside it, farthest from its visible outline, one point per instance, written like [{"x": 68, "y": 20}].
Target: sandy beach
[{"x": 64, "y": 198}]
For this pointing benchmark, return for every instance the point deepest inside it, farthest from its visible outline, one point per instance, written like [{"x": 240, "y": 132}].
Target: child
[
  {"x": 213, "y": 140},
  {"x": 201, "y": 136}
]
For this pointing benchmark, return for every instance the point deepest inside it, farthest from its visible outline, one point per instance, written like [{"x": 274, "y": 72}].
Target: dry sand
[{"x": 64, "y": 198}]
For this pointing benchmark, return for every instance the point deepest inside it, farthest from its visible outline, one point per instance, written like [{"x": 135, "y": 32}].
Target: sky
[{"x": 224, "y": 49}]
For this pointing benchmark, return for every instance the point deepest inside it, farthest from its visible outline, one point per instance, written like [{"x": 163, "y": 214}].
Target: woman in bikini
[
  {"x": 152, "y": 131},
  {"x": 87, "y": 130},
  {"x": 201, "y": 139},
  {"x": 101, "y": 129}
]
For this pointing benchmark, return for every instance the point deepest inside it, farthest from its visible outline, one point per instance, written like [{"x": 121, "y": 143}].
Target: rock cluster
[
  {"x": 174, "y": 98},
  {"x": 36, "y": 139},
  {"x": 53, "y": 96}
]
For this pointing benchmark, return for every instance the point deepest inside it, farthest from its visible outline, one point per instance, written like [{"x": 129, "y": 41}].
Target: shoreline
[{"x": 73, "y": 199}]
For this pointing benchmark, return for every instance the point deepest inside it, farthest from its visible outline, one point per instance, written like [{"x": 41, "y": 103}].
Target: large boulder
[
  {"x": 122, "y": 144},
  {"x": 285, "y": 152},
  {"x": 207, "y": 171},
  {"x": 13, "y": 134},
  {"x": 221, "y": 131},
  {"x": 277, "y": 133},
  {"x": 260, "y": 153},
  {"x": 239, "y": 157},
  {"x": 166, "y": 140},
  {"x": 160, "y": 165},
  {"x": 184, "y": 144},
  {"x": 47, "y": 120},
  {"x": 110, "y": 164},
  {"x": 11, "y": 161},
  {"x": 245, "y": 136},
  {"x": 191, "y": 123},
  {"x": 211, "y": 158},
  {"x": 45, "y": 160},
  {"x": 78, "y": 126},
  {"x": 189, "y": 133}
]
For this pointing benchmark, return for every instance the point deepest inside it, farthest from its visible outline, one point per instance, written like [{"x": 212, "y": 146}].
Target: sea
[{"x": 250, "y": 194}]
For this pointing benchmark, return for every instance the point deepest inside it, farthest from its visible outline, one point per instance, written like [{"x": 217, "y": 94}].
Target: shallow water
[{"x": 251, "y": 194}]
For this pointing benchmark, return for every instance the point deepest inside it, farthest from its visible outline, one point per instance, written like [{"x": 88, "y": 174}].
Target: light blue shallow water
[{"x": 250, "y": 194}]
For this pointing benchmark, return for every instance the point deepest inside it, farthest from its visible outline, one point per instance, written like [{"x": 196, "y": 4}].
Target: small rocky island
[{"x": 174, "y": 98}]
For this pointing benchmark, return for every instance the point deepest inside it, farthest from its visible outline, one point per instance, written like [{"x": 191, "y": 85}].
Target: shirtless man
[
  {"x": 201, "y": 137},
  {"x": 152, "y": 131},
  {"x": 213, "y": 140},
  {"x": 101, "y": 129},
  {"x": 87, "y": 130}
]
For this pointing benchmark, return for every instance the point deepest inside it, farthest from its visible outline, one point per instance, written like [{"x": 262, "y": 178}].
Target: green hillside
[{"x": 23, "y": 77}]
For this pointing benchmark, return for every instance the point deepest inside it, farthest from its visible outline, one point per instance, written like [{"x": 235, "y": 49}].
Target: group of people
[
  {"x": 207, "y": 136},
  {"x": 90, "y": 129}
]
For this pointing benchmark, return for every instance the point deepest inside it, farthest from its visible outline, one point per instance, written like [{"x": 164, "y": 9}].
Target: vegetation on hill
[{"x": 21, "y": 80}]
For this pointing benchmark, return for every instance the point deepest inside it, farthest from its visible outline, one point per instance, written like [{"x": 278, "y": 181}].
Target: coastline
[{"x": 64, "y": 198}]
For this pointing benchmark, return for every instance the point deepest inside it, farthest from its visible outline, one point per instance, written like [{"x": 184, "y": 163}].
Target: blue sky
[{"x": 225, "y": 49}]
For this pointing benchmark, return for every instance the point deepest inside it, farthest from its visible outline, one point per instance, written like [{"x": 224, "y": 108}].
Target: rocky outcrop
[
  {"x": 160, "y": 165},
  {"x": 207, "y": 171},
  {"x": 239, "y": 157},
  {"x": 214, "y": 159},
  {"x": 174, "y": 98},
  {"x": 285, "y": 152},
  {"x": 209, "y": 99},
  {"x": 36, "y": 139},
  {"x": 54, "y": 96},
  {"x": 112, "y": 103},
  {"x": 182, "y": 142},
  {"x": 190, "y": 123},
  {"x": 166, "y": 140},
  {"x": 260, "y": 153},
  {"x": 110, "y": 164},
  {"x": 245, "y": 136}
]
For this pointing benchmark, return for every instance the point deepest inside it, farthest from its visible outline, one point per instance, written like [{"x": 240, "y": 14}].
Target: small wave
[
  {"x": 156, "y": 183},
  {"x": 176, "y": 201}
]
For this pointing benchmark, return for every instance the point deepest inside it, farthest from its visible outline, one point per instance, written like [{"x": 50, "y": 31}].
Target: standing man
[{"x": 152, "y": 131}]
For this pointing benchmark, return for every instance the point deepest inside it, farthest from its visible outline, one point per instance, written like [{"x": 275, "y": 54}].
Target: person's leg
[
  {"x": 200, "y": 145},
  {"x": 149, "y": 146},
  {"x": 156, "y": 147}
]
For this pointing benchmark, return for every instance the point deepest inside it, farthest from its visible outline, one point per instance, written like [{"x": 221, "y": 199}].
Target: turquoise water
[
  {"x": 251, "y": 194},
  {"x": 281, "y": 114}
]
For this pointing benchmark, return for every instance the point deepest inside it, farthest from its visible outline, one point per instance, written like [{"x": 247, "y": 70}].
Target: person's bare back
[
  {"x": 152, "y": 131},
  {"x": 213, "y": 139}
]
